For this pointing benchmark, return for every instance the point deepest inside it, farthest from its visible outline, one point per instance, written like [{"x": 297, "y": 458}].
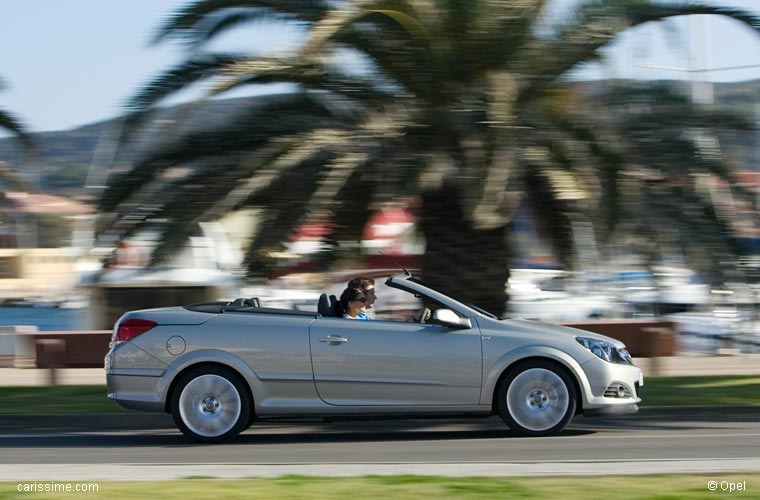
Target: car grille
[{"x": 617, "y": 391}]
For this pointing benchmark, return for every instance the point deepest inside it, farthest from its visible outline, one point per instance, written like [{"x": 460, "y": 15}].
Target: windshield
[
  {"x": 476, "y": 308},
  {"x": 482, "y": 311}
]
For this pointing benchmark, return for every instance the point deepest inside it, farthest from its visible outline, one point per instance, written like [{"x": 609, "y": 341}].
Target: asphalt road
[{"x": 699, "y": 437}]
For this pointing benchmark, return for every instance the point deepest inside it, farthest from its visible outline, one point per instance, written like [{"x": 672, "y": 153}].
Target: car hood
[{"x": 546, "y": 330}]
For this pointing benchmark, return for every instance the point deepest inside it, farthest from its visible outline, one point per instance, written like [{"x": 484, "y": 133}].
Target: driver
[{"x": 423, "y": 315}]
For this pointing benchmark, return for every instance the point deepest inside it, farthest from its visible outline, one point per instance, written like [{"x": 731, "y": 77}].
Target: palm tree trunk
[{"x": 460, "y": 260}]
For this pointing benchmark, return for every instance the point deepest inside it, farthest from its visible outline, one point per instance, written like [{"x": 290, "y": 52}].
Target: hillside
[{"x": 64, "y": 160}]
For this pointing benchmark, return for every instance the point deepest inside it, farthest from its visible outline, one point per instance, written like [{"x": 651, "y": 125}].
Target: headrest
[{"x": 323, "y": 306}]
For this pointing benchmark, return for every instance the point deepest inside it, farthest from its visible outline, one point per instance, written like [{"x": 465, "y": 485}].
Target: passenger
[
  {"x": 353, "y": 302},
  {"x": 367, "y": 286}
]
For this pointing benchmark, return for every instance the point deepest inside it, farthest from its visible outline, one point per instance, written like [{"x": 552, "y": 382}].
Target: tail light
[{"x": 132, "y": 327}]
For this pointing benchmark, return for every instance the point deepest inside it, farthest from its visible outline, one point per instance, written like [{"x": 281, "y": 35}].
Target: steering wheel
[{"x": 424, "y": 315}]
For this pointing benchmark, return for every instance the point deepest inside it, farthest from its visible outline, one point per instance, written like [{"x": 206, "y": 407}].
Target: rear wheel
[
  {"x": 211, "y": 405},
  {"x": 536, "y": 398}
]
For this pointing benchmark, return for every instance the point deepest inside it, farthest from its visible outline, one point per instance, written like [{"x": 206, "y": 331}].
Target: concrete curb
[
  {"x": 160, "y": 472},
  {"x": 148, "y": 421},
  {"x": 696, "y": 412},
  {"x": 87, "y": 421}
]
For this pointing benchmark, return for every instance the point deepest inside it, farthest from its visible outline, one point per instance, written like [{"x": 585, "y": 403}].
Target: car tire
[
  {"x": 211, "y": 404},
  {"x": 536, "y": 398}
]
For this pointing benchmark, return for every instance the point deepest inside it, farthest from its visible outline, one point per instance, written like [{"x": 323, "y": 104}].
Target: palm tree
[{"x": 457, "y": 101}]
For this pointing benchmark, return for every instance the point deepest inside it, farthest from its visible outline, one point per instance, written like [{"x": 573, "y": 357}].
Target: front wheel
[
  {"x": 536, "y": 398},
  {"x": 211, "y": 405}
]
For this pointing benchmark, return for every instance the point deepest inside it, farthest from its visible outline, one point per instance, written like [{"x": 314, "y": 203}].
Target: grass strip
[
  {"x": 714, "y": 390},
  {"x": 57, "y": 399},
  {"x": 673, "y": 487}
]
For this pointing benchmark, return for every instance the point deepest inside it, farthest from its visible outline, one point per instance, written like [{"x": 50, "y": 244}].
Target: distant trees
[{"x": 462, "y": 103}]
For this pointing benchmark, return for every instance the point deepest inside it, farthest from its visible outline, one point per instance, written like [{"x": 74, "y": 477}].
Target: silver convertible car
[{"x": 218, "y": 367}]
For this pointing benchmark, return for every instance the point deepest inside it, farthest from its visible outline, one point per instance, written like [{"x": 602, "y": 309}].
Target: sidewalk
[
  {"x": 26, "y": 377},
  {"x": 684, "y": 366},
  {"x": 675, "y": 366}
]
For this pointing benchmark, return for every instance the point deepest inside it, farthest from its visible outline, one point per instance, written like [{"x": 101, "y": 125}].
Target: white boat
[
  {"x": 207, "y": 269},
  {"x": 557, "y": 296}
]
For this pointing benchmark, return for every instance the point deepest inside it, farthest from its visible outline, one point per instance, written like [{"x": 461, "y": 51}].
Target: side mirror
[{"x": 449, "y": 318}]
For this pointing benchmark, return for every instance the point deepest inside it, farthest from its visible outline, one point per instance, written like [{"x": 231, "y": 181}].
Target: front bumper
[
  {"x": 613, "y": 389},
  {"x": 612, "y": 411}
]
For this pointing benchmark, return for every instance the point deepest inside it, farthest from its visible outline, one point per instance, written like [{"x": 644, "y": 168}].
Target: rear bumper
[{"x": 135, "y": 392}]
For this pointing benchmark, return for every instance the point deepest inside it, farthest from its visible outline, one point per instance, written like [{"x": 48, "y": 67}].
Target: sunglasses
[{"x": 363, "y": 299}]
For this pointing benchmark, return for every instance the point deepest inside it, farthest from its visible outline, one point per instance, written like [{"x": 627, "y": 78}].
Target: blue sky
[{"x": 73, "y": 62}]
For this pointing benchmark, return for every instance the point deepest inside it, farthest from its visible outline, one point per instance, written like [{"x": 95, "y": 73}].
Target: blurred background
[{"x": 565, "y": 161}]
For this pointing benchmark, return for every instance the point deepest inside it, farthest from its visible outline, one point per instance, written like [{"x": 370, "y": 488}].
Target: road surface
[{"x": 712, "y": 441}]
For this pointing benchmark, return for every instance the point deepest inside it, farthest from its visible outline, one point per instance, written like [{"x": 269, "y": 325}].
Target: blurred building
[
  {"x": 31, "y": 220},
  {"x": 36, "y": 235},
  {"x": 392, "y": 231}
]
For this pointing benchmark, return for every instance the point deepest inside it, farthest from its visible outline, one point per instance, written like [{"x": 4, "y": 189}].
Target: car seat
[
  {"x": 323, "y": 306},
  {"x": 336, "y": 306}
]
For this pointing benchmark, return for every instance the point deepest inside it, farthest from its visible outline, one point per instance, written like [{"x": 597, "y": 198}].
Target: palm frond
[
  {"x": 187, "y": 23},
  {"x": 12, "y": 124},
  {"x": 283, "y": 115},
  {"x": 400, "y": 64},
  {"x": 189, "y": 202},
  {"x": 684, "y": 216},
  {"x": 285, "y": 207},
  {"x": 179, "y": 77},
  {"x": 218, "y": 25},
  {"x": 612, "y": 164},
  {"x": 550, "y": 212},
  {"x": 286, "y": 154},
  {"x": 337, "y": 22},
  {"x": 595, "y": 25},
  {"x": 264, "y": 70},
  {"x": 500, "y": 28},
  {"x": 351, "y": 215},
  {"x": 336, "y": 173}
]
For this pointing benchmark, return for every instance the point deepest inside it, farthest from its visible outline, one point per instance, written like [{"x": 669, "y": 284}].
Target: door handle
[{"x": 334, "y": 339}]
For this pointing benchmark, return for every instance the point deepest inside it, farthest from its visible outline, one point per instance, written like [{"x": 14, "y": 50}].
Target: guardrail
[
  {"x": 651, "y": 339},
  {"x": 69, "y": 349},
  {"x": 643, "y": 338}
]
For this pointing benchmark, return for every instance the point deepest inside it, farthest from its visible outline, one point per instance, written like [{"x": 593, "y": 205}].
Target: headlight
[
  {"x": 600, "y": 348},
  {"x": 625, "y": 356}
]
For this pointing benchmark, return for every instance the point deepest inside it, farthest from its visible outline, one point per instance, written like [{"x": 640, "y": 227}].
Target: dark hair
[
  {"x": 361, "y": 282},
  {"x": 350, "y": 294}
]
